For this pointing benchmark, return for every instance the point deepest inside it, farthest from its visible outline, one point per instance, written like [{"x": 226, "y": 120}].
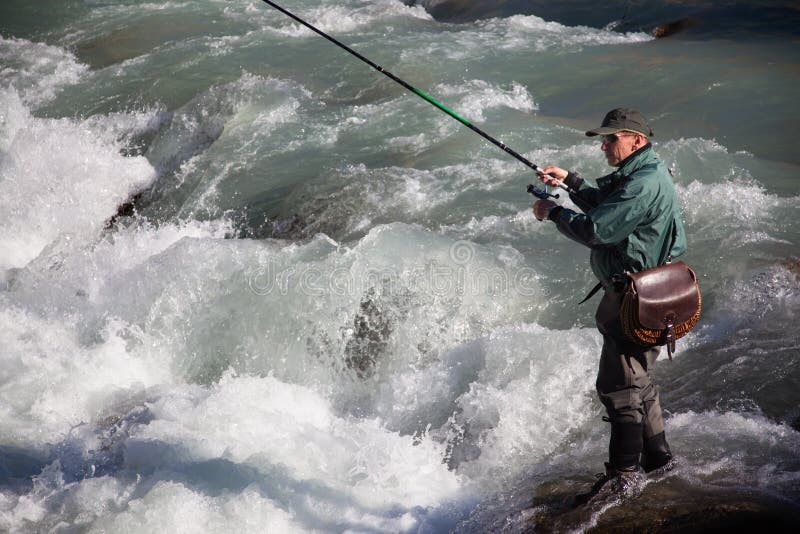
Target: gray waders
[{"x": 630, "y": 398}]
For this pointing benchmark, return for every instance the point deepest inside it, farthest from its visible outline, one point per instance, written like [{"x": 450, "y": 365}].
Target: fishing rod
[{"x": 540, "y": 193}]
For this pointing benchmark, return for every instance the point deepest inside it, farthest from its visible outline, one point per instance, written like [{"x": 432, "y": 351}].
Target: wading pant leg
[
  {"x": 625, "y": 389},
  {"x": 656, "y": 451}
]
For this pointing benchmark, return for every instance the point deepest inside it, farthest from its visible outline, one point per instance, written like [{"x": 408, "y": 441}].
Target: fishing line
[{"x": 538, "y": 192}]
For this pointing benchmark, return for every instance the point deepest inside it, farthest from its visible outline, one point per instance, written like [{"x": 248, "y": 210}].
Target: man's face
[{"x": 619, "y": 146}]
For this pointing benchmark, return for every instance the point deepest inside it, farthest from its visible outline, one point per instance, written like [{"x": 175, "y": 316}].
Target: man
[{"x": 631, "y": 222}]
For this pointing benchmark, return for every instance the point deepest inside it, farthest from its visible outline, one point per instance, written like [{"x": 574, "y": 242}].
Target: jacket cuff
[
  {"x": 553, "y": 215},
  {"x": 573, "y": 181}
]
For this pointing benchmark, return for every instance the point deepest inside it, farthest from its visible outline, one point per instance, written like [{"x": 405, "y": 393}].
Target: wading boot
[
  {"x": 615, "y": 485},
  {"x": 656, "y": 455},
  {"x": 623, "y": 477}
]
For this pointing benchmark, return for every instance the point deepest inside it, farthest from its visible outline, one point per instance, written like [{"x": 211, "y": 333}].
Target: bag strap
[
  {"x": 669, "y": 337},
  {"x": 617, "y": 253},
  {"x": 594, "y": 290},
  {"x": 672, "y": 241}
]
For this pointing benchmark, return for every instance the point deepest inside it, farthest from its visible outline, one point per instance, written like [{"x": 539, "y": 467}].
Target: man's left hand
[{"x": 541, "y": 209}]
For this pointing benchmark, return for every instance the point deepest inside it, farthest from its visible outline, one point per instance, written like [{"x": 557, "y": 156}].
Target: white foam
[
  {"x": 45, "y": 362},
  {"x": 410, "y": 194},
  {"x": 172, "y": 507},
  {"x": 476, "y": 96},
  {"x": 741, "y": 203},
  {"x": 762, "y": 448},
  {"x": 517, "y": 34},
  {"x": 261, "y": 421},
  {"x": 735, "y": 213},
  {"x": 410, "y": 190},
  {"x": 337, "y": 19},
  {"x": 410, "y": 143},
  {"x": 248, "y": 109},
  {"x": 772, "y": 293},
  {"x": 111, "y": 277},
  {"x": 526, "y": 401},
  {"x": 105, "y": 11},
  {"x": 36, "y": 70},
  {"x": 492, "y": 227},
  {"x": 236, "y": 351},
  {"x": 106, "y": 504},
  {"x": 60, "y": 179},
  {"x": 529, "y": 32},
  {"x": 177, "y": 283},
  {"x": 703, "y": 160}
]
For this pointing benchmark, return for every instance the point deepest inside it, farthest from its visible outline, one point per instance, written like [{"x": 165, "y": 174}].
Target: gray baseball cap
[{"x": 623, "y": 119}]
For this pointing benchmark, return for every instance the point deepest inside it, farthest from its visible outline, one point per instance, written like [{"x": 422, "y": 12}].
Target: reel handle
[{"x": 540, "y": 193}]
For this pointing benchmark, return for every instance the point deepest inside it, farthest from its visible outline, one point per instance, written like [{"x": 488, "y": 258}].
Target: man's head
[{"x": 624, "y": 131}]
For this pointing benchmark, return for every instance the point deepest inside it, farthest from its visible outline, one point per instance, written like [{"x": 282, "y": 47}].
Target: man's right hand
[
  {"x": 551, "y": 175},
  {"x": 542, "y": 209}
]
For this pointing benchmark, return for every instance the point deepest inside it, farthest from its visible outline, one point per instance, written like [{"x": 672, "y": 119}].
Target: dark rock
[
  {"x": 371, "y": 331},
  {"x": 126, "y": 209},
  {"x": 675, "y": 505},
  {"x": 671, "y": 28},
  {"x": 291, "y": 228},
  {"x": 796, "y": 423},
  {"x": 668, "y": 503}
]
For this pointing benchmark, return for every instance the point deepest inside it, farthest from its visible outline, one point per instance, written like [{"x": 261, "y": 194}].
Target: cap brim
[
  {"x": 608, "y": 130},
  {"x": 605, "y": 130}
]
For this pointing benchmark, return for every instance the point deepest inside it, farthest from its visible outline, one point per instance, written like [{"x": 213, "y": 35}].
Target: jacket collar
[{"x": 631, "y": 164}]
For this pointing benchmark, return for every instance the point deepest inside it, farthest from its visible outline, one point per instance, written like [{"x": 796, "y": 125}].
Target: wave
[
  {"x": 62, "y": 179},
  {"x": 341, "y": 19},
  {"x": 37, "y": 71},
  {"x": 661, "y": 18}
]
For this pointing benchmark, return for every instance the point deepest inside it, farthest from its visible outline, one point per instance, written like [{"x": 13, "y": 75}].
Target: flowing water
[{"x": 249, "y": 284}]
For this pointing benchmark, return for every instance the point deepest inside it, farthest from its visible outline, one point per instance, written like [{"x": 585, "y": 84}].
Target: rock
[
  {"x": 671, "y": 28},
  {"x": 668, "y": 503},
  {"x": 675, "y": 505},
  {"x": 371, "y": 330}
]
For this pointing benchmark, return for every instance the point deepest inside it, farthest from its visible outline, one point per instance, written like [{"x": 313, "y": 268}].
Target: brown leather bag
[{"x": 660, "y": 305}]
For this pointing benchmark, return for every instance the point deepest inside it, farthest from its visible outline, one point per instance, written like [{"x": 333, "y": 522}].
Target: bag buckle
[
  {"x": 619, "y": 281},
  {"x": 669, "y": 336}
]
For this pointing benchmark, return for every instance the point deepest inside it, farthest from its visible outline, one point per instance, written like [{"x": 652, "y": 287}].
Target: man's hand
[
  {"x": 551, "y": 175},
  {"x": 541, "y": 209}
]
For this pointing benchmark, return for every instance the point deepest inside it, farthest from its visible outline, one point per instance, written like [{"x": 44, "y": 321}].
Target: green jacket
[{"x": 631, "y": 220}]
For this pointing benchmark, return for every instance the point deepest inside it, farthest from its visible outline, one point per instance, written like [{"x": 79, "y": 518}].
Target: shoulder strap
[{"x": 672, "y": 241}]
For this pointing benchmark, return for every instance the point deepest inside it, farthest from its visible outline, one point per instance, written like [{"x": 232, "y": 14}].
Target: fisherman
[{"x": 631, "y": 222}]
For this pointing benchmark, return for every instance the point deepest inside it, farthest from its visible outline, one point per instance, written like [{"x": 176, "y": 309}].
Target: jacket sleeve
[
  {"x": 586, "y": 197},
  {"x": 576, "y": 226},
  {"x": 610, "y": 222}
]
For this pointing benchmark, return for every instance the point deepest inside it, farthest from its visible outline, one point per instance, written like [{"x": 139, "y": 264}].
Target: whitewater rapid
[{"x": 328, "y": 308}]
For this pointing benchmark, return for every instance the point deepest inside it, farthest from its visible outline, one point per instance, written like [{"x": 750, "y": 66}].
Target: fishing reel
[{"x": 540, "y": 193}]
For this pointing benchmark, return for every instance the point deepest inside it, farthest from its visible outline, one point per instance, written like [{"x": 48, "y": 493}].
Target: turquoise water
[{"x": 325, "y": 305}]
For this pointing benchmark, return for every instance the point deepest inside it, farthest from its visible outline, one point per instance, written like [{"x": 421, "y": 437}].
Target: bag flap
[{"x": 666, "y": 294}]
